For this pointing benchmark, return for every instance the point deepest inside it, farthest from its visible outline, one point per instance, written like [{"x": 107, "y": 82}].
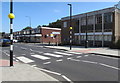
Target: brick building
[
  {"x": 102, "y": 27},
  {"x": 39, "y": 35}
]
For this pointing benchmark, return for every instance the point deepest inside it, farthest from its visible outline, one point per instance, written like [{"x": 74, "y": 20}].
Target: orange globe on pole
[{"x": 11, "y": 16}]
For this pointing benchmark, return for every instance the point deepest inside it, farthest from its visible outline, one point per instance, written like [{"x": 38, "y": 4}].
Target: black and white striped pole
[
  {"x": 70, "y": 26},
  {"x": 11, "y": 16}
]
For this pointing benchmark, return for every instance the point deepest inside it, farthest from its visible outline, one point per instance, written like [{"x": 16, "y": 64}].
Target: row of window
[
  {"x": 98, "y": 19},
  {"x": 97, "y": 38}
]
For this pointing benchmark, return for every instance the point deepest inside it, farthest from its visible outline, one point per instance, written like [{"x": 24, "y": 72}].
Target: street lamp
[
  {"x": 29, "y": 25},
  {"x": 70, "y": 5},
  {"x": 29, "y": 20},
  {"x": 86, "y": 42},
  {"x": 11, "y": 16}
]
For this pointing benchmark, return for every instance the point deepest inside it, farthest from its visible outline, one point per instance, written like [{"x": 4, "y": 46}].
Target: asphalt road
[{"x": 65, "y": 65}]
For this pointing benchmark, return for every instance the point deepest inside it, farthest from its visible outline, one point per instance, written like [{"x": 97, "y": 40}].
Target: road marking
[
  {"x": 33, "y": 65},
  {"x": 23, "y": 54},
  {"x": 78, "y": 56},
  {"x": 86, "y": 55},
  {"x": 50, "y": 71},
  {"x": 46, "y": 63},
  {"x": 23, "y": 48},
  {"x": 35, "y": 51},
  {"x": 89, "y": 62},
  {"x": 24, "y": 59},
  {"x": 72, "y": 52},
  {"x": 32, "y": 53},
  {"x": 62, "y": 53},
  {"x": 66, "y": 78},
  {"x": 69, "y": 58},
  {"x": 13, "y": 55},
  {"x": 6, "y": 53},
  {"x": 104, "y": 56},
  {"x": 59, "y": 60},
  {"x": 74, "y": 60},
  {"x": 40, "y": 57},
  {"x": 53, "y": 55},
  {"x": 16, "y": 60},
  {"x": 109, "y": 66}
]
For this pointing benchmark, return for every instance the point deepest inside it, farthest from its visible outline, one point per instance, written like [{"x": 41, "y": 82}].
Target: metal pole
[
  {"x": 86, "y": 43},
  {"x": 70, "y": 26},
  {"x": 11, "y": 34}
]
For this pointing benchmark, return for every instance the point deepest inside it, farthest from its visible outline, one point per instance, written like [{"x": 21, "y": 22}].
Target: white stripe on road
[
  {"x": 73, "y": 52},
  {"x": 59, "y": 60},
  {"x": 33, "y": 65},
  {"x": 109, "y": 66},
  {"x": 89, "y": 62},
  {"x": 53, "y": 55},
  {"x": 46, "y": 63},
  {"x": 23, "y": 48},
  {"x": 6, "y": 53},
  {"x": 40, "y": 57},
  {"x": 24, "y": 59},
  {"x": 35, "y": 51},
  {"x": 105, "y": 56},
  {"x": 66, "y": 78},
  {"x": 78, "y": 56},
  {"x": 62, "y": 53},
  {"x": 86, "y": 55},
  {"x": 23, "y": 54}
]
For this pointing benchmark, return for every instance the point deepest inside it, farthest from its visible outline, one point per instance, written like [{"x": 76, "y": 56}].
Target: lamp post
[
  {"x": 86, "y": 42},
  {"x": 11, "y": 16},
  {"x": 29, "y": 25},
  {"x": 70, "y": 5},
  {"x": 29, "y": 20}
]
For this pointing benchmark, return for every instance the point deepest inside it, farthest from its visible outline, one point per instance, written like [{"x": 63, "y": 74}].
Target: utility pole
[
  {"x": 70, "y": 26},
  {"x": 86, "y": 42},
  {"x": 11, "y": 16}
]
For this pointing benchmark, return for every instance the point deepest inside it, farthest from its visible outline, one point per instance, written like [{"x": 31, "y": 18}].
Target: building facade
[
  {"x": 98, "y": 28},
  {"x": 39, "y": 35}
]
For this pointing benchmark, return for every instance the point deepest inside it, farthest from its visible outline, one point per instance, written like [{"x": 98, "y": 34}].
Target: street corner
[{"x": 5, "y": 63}]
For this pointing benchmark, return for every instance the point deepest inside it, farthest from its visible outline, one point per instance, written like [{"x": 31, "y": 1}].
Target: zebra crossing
[{"x": 45, "y": 56}]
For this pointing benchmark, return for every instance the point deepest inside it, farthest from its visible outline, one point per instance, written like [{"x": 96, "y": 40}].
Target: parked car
[
  {"x": 4, "y": 42},
  {"x": 15, "y": 41}
]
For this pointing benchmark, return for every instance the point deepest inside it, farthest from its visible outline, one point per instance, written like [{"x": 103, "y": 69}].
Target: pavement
[
  {"x": 22, "y": 72},
  {"x": 100, "y": 51}
]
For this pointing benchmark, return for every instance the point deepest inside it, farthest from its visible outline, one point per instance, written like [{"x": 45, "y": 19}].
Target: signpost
[{"x": 11, "y": 16}]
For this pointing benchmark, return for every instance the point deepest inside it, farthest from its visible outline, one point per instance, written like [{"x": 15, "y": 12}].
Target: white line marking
[
  {"x": 72, "y": 52},
  {"x": 23, "y": 48},
  {"x": 46, "y": 63},
  {"x": 50, "y": 71},
  {"x": 59, "y": 60},
  {"x": 89, "y": 62},
  {"x": 35, "y": 51},
  {"x": 23, "y": 54},
  {"x": 24, "y": 59},
  {"x": 6, "y": 53},
  {"x": 62, "y": 53},
  {"x": 74, "y": 59},
  {"x": 40, "y": 57},
  {"x": 105, "y": 56},
  {"x": 16, "y": 60},
  {"x": 86, "y": 55},
  {"x": 66, "y": 78},
  {"x": 33, "y": 65},
  {"x": 78, "y": 56},
  {"x": 13, "y": 55},
  {"x": 53, "y": 55},
  {"x": 32, "y": 53},
  {"x": 69, "y": 58},
  {"x": 109, "y": 66}
]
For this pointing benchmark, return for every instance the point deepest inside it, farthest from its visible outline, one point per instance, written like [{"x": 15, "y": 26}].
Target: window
[
  {"x": 83, "y": 21},
  {"x": 65, "y": 24},
  {"x": 99, "y": 19},
  {"x": 107, "y": 17},
  {"x": 90, "y": 20}
]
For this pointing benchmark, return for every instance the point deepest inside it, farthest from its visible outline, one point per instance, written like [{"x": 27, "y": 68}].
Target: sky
[{"x": 43, "y": 13}]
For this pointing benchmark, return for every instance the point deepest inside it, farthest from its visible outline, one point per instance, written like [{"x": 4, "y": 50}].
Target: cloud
[{"x": 57, "y": 11}]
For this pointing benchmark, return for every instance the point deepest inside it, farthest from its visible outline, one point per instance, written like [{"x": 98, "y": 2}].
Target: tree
[
  {"x": 56, "y": 24},
  {"x": 27, "y": 28}
]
